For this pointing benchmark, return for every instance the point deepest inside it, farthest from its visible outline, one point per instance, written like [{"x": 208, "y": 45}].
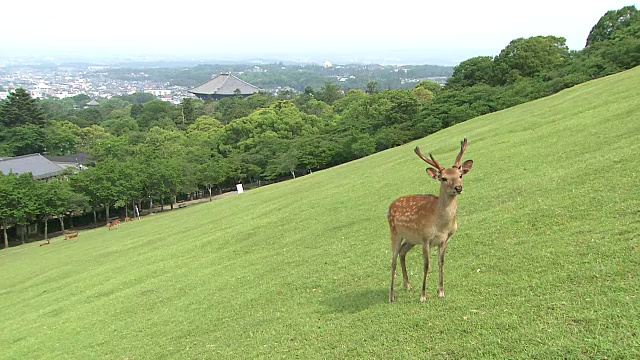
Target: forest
[
  {"x": 294, "y": 76},
  {"x": 146, "y": 151}
]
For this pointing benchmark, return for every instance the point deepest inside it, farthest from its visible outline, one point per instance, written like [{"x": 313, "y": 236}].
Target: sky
[{"x": 445, "y": 31}]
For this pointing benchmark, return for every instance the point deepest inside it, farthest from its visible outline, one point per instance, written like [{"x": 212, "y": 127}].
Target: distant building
[
  {"x": 223, "y": 85},
  {"x": 40, "y": 167},
  {"x": 43, "y": 167},
  {"x": 159, "y": 92},
  {"x": 73, "y": 161}
]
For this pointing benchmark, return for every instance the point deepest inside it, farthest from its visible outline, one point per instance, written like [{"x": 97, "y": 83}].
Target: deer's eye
[
  {"x": 460, "y": 176},
  {"x": 443, "y": 179}
]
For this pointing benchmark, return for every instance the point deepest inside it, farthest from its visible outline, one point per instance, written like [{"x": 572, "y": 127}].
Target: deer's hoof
[
  {"x": 423, "y": 298},
  {"x": 407, "y": 286}
]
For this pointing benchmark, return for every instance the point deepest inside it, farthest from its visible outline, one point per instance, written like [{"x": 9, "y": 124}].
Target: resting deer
[
  {"x": 71, "y": 236},
  {"x": 426, "y": 220}
]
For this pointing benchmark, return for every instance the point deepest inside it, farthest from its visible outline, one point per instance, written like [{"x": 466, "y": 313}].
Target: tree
[
  {"x": 61, "y": 137},
  {"x": 24, "y": 201},
  {"x": 87, "y": 183},
  {"x": 105, "y": 184},
  {"x": 112, "y": 148},
  {"x": 55, "y": 109},
  {"x": 372, "y": 87},
  {"x": 7, "y": 203},
  {"x": 89, "y": 116},
  {"x": 212, "y": 173},
  {"x": 20, "y": 109},
  {"x": 90, "y": 136},
  {"x": 612, "y": 24},
  {"x": 156, "y": 113},
  {"x": 473, "y": 71},
  {"x": 231, "y": 108},
  {"x": 56, "y": 196},
  {"x": 330, "y": 92},
  {"x": 25, "y": 139},
  {"x": 80, "y": 100},
  {"x": 529, "y": 57},
  {"x": 189, "y": 112}
]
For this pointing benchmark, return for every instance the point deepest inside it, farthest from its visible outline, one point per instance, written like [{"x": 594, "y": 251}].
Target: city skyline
[{"x": 442, "y": 34}]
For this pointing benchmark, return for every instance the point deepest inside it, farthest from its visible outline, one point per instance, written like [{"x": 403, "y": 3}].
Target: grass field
[{"x": 545, "y": 263}]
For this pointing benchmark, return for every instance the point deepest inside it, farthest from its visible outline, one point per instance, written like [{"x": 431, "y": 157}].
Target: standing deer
[{"x": 426, "y": 220}]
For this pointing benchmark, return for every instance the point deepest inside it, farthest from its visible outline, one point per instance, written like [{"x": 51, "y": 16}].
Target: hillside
[{"x": 544, "y": 264}]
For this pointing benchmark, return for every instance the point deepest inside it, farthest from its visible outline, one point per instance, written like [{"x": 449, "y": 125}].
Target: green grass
[{"x": 545, "y": 263}]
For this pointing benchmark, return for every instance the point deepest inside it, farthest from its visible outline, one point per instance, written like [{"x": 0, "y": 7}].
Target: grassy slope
[{"x": 544, "y": 264}]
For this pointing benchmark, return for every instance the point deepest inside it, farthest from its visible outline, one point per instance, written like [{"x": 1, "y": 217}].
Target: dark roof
[
  {"x": 77, "y": 158},
  {"x": 36, "y": 164},
  {"x": 224, "y": 84}
]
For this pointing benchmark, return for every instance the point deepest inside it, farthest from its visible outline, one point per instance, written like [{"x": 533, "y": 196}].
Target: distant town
[
  {"x": 91, "y": 80},
  {"x": 103, "y": 81}
]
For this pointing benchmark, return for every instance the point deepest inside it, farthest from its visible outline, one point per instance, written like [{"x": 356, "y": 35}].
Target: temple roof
[
  {"x": 224, "y": 84},
  {"x": 36, "y": 164}
]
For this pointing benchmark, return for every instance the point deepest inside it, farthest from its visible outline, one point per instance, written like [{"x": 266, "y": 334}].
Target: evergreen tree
[{"x": 20, "y": 109}]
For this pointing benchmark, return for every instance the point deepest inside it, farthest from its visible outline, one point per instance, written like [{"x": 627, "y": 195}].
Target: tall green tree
[
  {"x": 61, "y": 137},
  {"x": 56, "y": 197},
  {"x": 8, "y": 187},
  {"x": 20, "y": 109},
  {"x": 25, "y": 139},
  {"x": 157, "y": 113},
  {"x": 613, "y": 24},
  {"x": 330, "y": 92},
  {"x": 526, "y": 58},
  {"x": 473, "y": 71},
  {"x": 26, "y": 204}
]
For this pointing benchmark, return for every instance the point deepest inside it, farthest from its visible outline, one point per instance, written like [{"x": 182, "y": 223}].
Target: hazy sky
[{"x": 449, "y": 30}]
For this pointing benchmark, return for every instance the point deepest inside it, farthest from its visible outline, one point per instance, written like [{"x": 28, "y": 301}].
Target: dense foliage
[
  {"x": 294, "y": 76},
  {"x": 147, "y": 149}
]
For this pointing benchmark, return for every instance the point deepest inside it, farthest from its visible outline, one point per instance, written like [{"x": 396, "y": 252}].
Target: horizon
[{"x": 405, "y": 33}]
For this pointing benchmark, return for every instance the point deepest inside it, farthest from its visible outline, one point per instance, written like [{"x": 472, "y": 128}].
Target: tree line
[{"x": 147, "y": 151}]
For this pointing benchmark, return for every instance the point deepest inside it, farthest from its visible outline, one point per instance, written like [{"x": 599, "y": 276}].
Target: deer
[
  {"x": 71, "y": 236},
  {"x": 113, "y": 224},
  {"x": 426, "y": 220}
]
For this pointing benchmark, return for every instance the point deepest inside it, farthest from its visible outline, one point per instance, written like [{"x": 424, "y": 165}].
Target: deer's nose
[{"x": 458, "y": 189}]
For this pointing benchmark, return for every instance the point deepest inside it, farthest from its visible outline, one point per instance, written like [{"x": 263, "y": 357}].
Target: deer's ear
[
  {"x": 433, "y": 173},
  {"x": 466, "y": 166}
]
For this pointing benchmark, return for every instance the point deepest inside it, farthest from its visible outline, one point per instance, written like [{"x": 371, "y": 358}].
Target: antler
[
  {"x": 431, "y": 162},
  {"x": 463, "y": 147}
]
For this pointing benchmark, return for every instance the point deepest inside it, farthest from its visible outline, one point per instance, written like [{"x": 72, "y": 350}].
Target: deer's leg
[
  {"x": 425, "y": 256},
  {"x": 404, "y": 249},
  {"x": 395, "y": 249},
  {"x": 443, "y": 248}
]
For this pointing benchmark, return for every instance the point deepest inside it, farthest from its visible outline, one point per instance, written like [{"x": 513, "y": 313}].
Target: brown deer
[
  {"x": 113, "y": 224},
  {"x": 71, "y": 236},
  {"x": 426, "y": 220}
]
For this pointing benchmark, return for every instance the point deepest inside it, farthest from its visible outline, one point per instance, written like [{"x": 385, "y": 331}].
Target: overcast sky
[{"x": 448, "y": 30}]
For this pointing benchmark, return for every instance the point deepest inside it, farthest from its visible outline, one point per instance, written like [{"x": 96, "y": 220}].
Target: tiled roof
[
  {"x": 36, "y": 164},
  {"x": 224, "y": 84},
  {"x": 77, "y": 158}
]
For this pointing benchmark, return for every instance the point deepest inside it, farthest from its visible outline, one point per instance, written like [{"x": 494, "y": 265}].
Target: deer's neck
[{"x": 447, "y": 206}]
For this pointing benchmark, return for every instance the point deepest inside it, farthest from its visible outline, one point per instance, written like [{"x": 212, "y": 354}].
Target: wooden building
[{"x": 223, "y": 85}]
